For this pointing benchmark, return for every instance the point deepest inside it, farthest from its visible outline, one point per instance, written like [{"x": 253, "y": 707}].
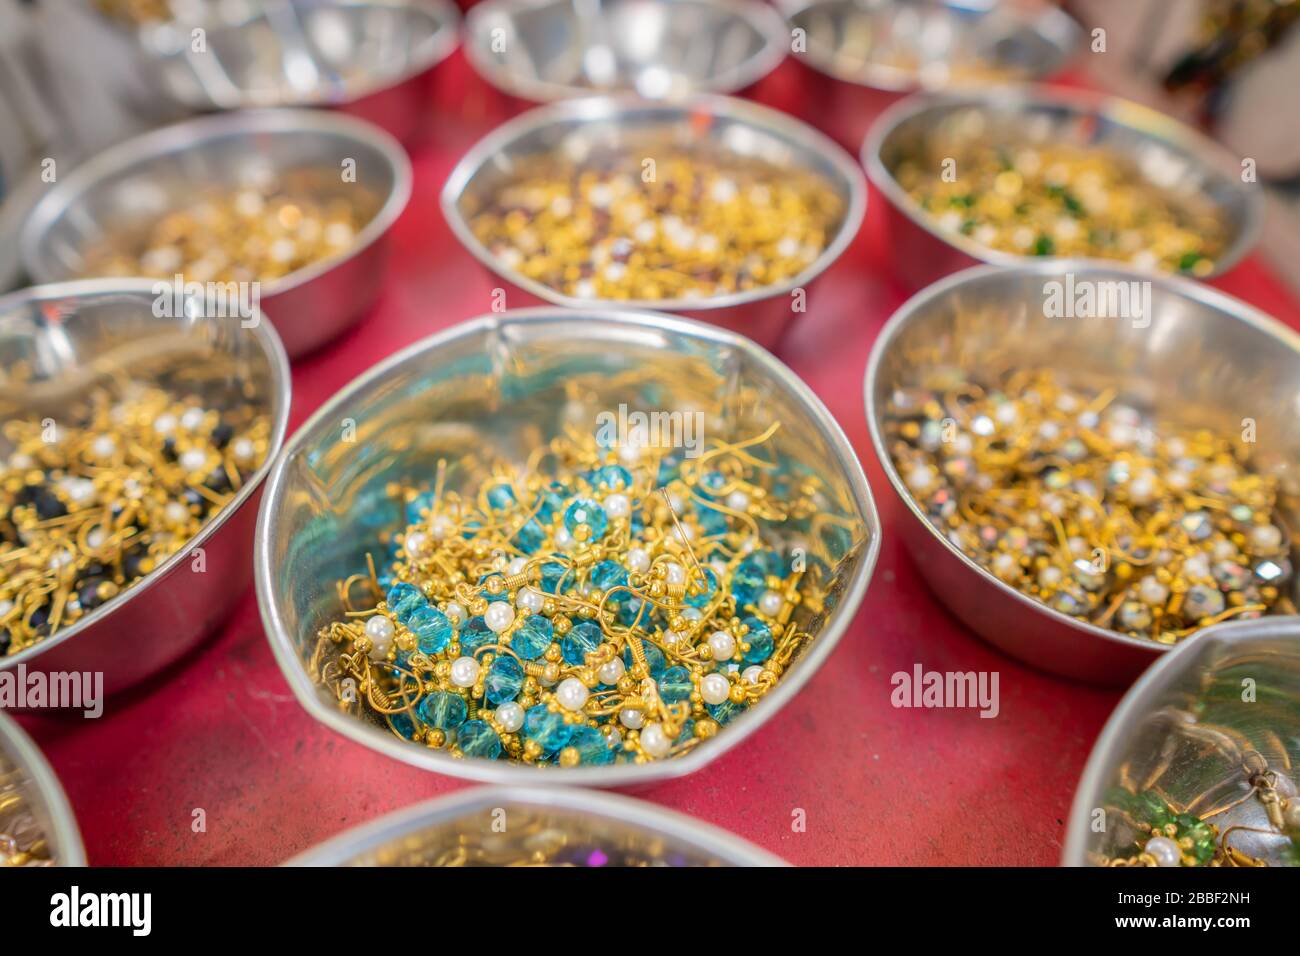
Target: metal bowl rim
[
  {"x": 280, "y": 391},
  {"x": 496, "y": 771},
  {"x": 1207, "y": 154},
  {"x": 1152, "y": 682},
  {"x": 765, "y": 20},
  {"x": 193, "y": 135},
  {"x": 1228, "y": 307},
  {"x": 574, "y": 112},
  {"x": 16, "y": 743},
  {"x": 366, "y": 837},
  {"x": 436, "y": 47},
  {"x": 1060, "y": 23}
]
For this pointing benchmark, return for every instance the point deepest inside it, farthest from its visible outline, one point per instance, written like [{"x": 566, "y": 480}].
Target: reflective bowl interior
[
  {"x": 1186, "y": 731},
  {"x": 121, "y": 195},
  {"x": 334, "y": 52},
  {"x": 932, "y": 44},
  {"x": 1204, "y": 360},
  {"x": 1160, "y": 150},
  {"x": 501, "y": 387},
  {"x": 657, "y": 48},
  {"x": 34, "y": 813}
]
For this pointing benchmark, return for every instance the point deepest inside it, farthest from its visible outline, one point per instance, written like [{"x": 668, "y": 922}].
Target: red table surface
[{"x": 222, "y": 732}]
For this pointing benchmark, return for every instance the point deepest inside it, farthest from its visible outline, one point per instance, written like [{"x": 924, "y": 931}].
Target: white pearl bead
[
  {"x": 1265, "y": 537},
  {"x": 1165, "y": 851},
  {"x": 723, "y": 645},
  {"x": 1152, "y": 591},
  {"x": 164, "y": 424},
  {"x": 464, "y": 671},
  {"x": 629, "y": 454},
  {"x": 637, "y": 559},
  {"x": 243, "y": 449},
  {"x": 193, "y": 460},
  {"x": 516, "y": 566},
  {"x": 455, "y": 612},
  {"x": 751, "y": 674},
  {"x": 571, "y": 693},
  {"x": 631, "y": 719},
  {"x": 563, "y": 539},
  {"x": 691, "y": 614},
  {"x": 611, "y": 670},
  {"x": 192, "y": 419},
  {"x": 440, "y": 528},
  {"x": 510, "y": 716},
  {"x": 499, "y": 616},
  {"x": 103, "y": 446},
  {"x": 654, "y": 741},
  {"x": 530, "y": 599},
  {"x": 738, "y": 501},
  {"x": 176, "y": 512},
  {"x": 671, "y": 638},
  {"x": 715, "y": 688},
  {"x": 676, "y": 573},
  {"x": 416, "y": 543},
  {"x": 770, "y": 603},
  {"x": 380, "y": 631},
  {"x": 617, "y": 506}
]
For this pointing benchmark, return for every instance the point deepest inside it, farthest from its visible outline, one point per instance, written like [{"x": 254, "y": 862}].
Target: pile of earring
[
  {"x": 92, "y": 503},
  {"x": 1093, "y": 508},
  {"x": 22, "y": 842},
  {"x": 596, "y": 605}
]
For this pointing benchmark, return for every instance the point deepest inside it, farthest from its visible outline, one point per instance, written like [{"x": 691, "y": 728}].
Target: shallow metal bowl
[
  {"x": 543, "y": 50},
  {"x": 77, "y": 335},
  {"x": 371, "y": 58},
  {"x": 502, "y": 384},
  {"x": 731, "y": 125},
  {"x": 1166, "y": 152},
  {"x": 1227, "y": 697},
  {"x": 860, "y": 56},
  {"x": 512, "y": 826},
  {"x": 32, "y": 801},
  {"x": 1205, "y": 360},
  {"x": 133, "y": 183}
]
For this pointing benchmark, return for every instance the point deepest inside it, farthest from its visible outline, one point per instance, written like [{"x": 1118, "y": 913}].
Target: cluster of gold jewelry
[
  {"x": 1060, "y": 199},
  {"x": 1091, "y": 507},
  {"x": 22, "y": 842},
  {"x": 90, "y": 505},
  {"x": 257, "y": 232},
  {"x": 598, "y": 605},
  {"x": 698, "y": 223}
]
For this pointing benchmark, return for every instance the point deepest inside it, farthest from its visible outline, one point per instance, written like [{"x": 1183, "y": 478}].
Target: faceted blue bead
[
  {"x": 532, "y": 637},
  {"x": 688, "y": 731},
  {"x": 500, "y": 497},
  {"x": 611, "y": 478},
  {"x": 710, "y": 584},
  {"x": 675, "y": 684},
  {"x": 714, "y": 482},
  {"x": 653, "y": 656},
  {"x": 629, "y": 608},
  {"x": 726, "y": 711},
  {"x": 471, "y": 529},
  {"x": 669, "y": 469},
  {"x": 712, "y": 521},
  {"x": 556, "y": 577},
  {"x": 592, "y": 746},
  {"x": 750, "y": 579},
  {"x": 759, "y": 640},
  {"x": 547, "y": 728},
  {"x": 475, "y": 634},
  {"x": 530, "y": 537},
  {"x": 608, "y": 574},
  {"x": 442, "y": 709},
  {"x": 416, "y": 507},
  {"x": 588, "y": 512},
  {"x": 583, "y": 638},
  {"x": 431, "y": 628},
  {"x": 402, "y": 599},
  {"x": 838, "y": 540},
  {"x": 476, "y": 738},
  {"x": 551, "y": 501},
  {"x": 403, "y": 724},
  {"x": 504, "y": 679}
]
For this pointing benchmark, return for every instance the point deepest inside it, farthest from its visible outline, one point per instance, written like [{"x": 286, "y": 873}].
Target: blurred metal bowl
[
  {"x": 370, "y": 58},
  {"x": 536, "y": 826},
  {"x": 32, "y": 801},
  {"x": 71, "y": 336},
  {"x": 132, "y": 184},
  {"x": 543, "y": 50},
  {"x": 732, "y": 125},
  {"x": 1188, "y": 728},
  {"x": 1162, "y": 149},
  {"x": 1206, "y": 360},
  {"x": 860, "y": 56},
  {"x": 502, "y": 384}
]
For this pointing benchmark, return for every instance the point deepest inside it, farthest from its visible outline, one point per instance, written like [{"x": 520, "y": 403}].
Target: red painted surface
[{"x": 221, "y": 731}]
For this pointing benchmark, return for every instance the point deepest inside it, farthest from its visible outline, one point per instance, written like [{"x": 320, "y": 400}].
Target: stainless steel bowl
[
  {"x": 370, "y": 58},
  {"x": 1187, "y": 728},
  {"x": 731, "y": 125},
  {"x": 1205, "y": 360},
  {"x": 1165, "y": 151},
  {"x": 860, "y": 56},
  {"x": 73, "y": 336},
  {"x": 506, "y": 383},
  {"x": 543, "y": 50},
  {"x": 133, "y": 183},
  {"x": 510, "y": 826},
  {"x": 32, "y": 801}
]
